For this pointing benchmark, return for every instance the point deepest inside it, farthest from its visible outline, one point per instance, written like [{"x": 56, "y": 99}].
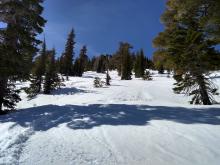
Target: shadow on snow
[
  {"x": 70, "y": 91},
  {"x": 86, "y": 117}
]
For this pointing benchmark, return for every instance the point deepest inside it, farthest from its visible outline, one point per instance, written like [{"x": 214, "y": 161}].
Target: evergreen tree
[
  {"x": 126, "y": 64},
  {"x": 189, "y": 42},
  {"x": 77, "y": 68},
  {"x": 115, "y": 62},
  {"x": 68, "y": 55},
  {"x": 149, "y": 64},
  {"x": 161, "y": 69},
  {"x": 83, "y": 58},
  {"x": 147, "y": 76},
  {"x": 61, "y": 64},
  {"x": 111, "y": 62},
  {"x": 100, "y": 64},
  {"x": 139, "y": 66},
  {"x": 193, "y": 63},
  {"x": 52, "y": 80},
  {"x": 160, "y": 61},
  {"x": 81, "y": 63},
  {"x": 38, "y": 72},
  {"x": 108, "y": 78},
  {"x": 18, "y": 44},
  {"x": 11, "y": 96},
  {"x": 89, "y": 66},
  {"x": 98, "y": 83}
]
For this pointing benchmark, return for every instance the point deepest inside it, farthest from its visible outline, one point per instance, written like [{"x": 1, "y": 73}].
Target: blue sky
[{"x": 102, "y": 24}]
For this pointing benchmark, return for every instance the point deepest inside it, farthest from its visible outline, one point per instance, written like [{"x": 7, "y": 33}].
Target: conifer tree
[
  {"x": 147, "y": 76},
  {"x": 115, "y": 62},
  {"x": 61, "y": 64},
  {"x": 139, "y": 66},
  {"x": 52, "y": 80},
  {"x": 77, "y": 68},
  {"x": 98, "y": 83},
  {"x": 83, "y": 57},
  {"x": 189, "y": 42},
  {"x": 149, "y": 64},
  {"x": 68, "y": 55},
  {"x": 100, "y": 64},
  {"x": 18, "y": 44},
  {"x": 38, "y": 71},
  {"x": 126, "y": 64},
  {"x": 81, "y": 63},
  {"x": 108, "y": 78}
]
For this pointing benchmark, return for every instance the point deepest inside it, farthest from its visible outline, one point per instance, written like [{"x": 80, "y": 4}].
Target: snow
[{"x": 129, "y": 123}]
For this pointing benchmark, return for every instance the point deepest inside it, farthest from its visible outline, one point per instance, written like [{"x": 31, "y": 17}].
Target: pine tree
[
  {"x": 62, "y": 64},
  {"x": 147, "y": 76},
  {"x": 126, "y": 64},
  {"x": 82, "y": 62},
  {"x": 38, "y": 72},
  {"x": 100, "y": 64},
  {"x": 11, "y": 96},
  {"x": 139, "y": 66},
  {"x": 188, "y": 42},
  {"x": 149, "y": 64},
  {"x": 161, "y": 69},
  {"x": 68, "y": 55},
  {"x": 193, "y": 62},
  {"x": 77, "y": 68},
  {"x": 98, "y": 83},
  {"x": 18, "y": 44},
  {"x": 52, "y": 80},
  {"x": 160, "y": 61},
  {"x": 108, "y": 78},
  {"x": 115, "y": 62}
]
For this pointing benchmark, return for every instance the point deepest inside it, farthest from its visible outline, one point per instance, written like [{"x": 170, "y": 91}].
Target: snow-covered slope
[{"x": 129, "y": 123}]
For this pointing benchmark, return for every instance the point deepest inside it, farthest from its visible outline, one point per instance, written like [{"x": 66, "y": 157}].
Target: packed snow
[{"x": 128, "y": 123}]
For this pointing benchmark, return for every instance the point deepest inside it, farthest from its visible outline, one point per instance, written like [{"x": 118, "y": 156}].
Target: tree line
[
  {"x": 187, "y": 47},
  {"x": 25, "y": 58}
]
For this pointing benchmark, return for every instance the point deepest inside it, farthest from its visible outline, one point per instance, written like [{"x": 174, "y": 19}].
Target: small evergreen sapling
[
  {"x": 147, "y": 76},
  {"x": 98, "y": 83}
]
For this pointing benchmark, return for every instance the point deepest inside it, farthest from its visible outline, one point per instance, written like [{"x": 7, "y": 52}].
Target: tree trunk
[
  {"x": 3, "y": 85},
  {"x": 203, "y": 91},
  {"x": 67, "y": 77}
]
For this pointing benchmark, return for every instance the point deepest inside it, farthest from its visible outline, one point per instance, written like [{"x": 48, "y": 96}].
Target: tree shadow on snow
[
  {"x": 69, "y": 91},
  {"x": 86, "y": 117}
]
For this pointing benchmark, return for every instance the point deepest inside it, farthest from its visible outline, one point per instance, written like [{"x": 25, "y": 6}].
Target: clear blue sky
[{"x": 102, "y": 24}]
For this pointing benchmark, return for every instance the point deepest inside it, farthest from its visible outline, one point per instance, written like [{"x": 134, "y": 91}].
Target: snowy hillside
[{"x": 129, "y": 123}]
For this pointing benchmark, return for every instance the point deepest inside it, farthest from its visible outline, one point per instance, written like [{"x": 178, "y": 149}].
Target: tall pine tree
[
  {"x": 18, "y": 44},
  {"x": 68, "y": 55},
  {"x": 126, "y": 63},
  {"x": 139, "y": 66}
]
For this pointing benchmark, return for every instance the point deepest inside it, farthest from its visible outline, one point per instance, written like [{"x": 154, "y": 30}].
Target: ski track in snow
[{"x": 83, "y": 125}]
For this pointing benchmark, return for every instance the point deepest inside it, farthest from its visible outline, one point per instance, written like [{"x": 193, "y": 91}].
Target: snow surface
[{"x": 129, "y": 123}]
